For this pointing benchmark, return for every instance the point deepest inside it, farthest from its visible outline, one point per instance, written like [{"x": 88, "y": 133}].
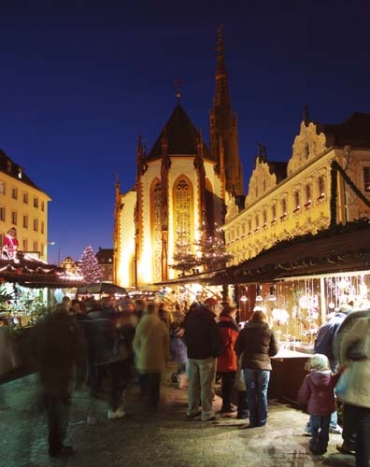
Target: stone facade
[{"x": 305, "y": 199}]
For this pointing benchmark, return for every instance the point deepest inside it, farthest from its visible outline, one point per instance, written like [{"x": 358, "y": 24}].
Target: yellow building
[
  {"x": 325, "y": 182},
  {"x": 23, "y": 206},
  {"x": 181, "y": 190}
]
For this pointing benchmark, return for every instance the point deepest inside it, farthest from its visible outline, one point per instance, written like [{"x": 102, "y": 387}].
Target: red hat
[{"x": 210, "y": 301}]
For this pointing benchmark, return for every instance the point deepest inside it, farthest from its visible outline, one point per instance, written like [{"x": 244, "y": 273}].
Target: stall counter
[{"x": 288, "y": 372}]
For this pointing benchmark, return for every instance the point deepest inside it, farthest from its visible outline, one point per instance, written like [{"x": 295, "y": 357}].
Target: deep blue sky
[{"x": 80, "y": 80}]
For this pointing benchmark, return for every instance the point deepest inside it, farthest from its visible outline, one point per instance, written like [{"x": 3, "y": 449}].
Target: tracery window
[
  {"x": 182, "y": 211},
  {"x": 157, "y": 238}
]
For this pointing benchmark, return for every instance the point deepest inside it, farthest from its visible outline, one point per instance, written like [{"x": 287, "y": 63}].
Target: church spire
[
  {"x": 224, "y": 128},
  {"x": 222, "y": 97}
]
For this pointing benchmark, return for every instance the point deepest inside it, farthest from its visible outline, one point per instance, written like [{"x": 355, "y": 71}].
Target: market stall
[{"x": 28, "y": 289}]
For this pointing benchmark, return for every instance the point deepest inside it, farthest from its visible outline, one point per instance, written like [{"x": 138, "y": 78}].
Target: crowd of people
[{"x": 108, "y": 345}]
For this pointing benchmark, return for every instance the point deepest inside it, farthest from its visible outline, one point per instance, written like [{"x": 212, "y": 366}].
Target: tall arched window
[
  {"x": 157, "y": 231},
  {"x": 183, "y": 211}
]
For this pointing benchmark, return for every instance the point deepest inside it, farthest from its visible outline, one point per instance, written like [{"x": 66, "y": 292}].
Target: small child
[{"x": 317, "y": 394}]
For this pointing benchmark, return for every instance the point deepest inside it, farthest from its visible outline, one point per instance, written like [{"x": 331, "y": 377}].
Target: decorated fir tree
[
  {"x": 90, "y": 268},
  {"x": 212, "y": 249}
]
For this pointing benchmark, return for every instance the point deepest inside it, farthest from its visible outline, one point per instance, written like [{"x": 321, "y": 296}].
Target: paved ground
[{"x": 161, "y": 439}]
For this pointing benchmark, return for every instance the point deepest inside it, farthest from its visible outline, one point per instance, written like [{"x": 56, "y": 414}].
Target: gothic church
[{"x": 181, "y": 191}]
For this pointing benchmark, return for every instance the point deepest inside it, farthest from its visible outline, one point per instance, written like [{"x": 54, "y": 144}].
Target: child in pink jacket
[{"x": 317, "y": 394}]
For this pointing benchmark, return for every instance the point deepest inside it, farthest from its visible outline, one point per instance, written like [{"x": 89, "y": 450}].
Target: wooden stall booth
[{"x": 28, "y": 289}]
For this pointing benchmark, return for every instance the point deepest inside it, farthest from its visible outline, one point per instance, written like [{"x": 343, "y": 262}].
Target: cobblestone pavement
[{"x": 157, "y": 439}]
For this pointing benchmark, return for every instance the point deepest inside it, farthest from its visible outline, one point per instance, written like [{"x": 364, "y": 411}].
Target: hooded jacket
[
  {"x": 317, "y": 392},
  {"x": 353, "y": 348}
]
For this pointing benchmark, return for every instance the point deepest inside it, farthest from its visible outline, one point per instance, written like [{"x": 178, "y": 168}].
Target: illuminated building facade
[
  {"x": 325, "y": 182},
  {"x": 22, "y": 206},
  {"x": 181, "y": 190}
]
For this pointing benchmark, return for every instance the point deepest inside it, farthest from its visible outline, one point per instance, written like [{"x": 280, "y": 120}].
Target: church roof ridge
[{"x": 181, "y": 134}]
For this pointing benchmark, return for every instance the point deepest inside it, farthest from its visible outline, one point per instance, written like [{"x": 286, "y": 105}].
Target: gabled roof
[
  {"x": 354, "y": 131},
  {"x": 9, "y": 167},
  {"x": 181, "y": 134}
]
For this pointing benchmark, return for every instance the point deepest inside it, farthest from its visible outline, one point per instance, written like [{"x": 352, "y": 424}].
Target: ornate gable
[
  {"x": 261, "y": 181},
  {"x": 307, "y": 145}
]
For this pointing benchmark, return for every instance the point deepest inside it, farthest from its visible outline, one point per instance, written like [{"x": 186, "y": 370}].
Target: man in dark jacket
[
  {"x": 58, "y": 344},
  {"x": 203, "y": 342}
]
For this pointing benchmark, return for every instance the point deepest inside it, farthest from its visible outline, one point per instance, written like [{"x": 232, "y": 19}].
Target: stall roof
[
  {"x": 34, "y": 273},
  {"x": 339, "y": 249},
  {"x": 101, "y": 287},
  {"x": 342, "y": 248}
]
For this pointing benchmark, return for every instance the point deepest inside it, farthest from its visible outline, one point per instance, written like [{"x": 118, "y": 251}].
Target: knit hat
[
  {"x": 210, "y": 301},
  {"x": 319, "y": 362}
]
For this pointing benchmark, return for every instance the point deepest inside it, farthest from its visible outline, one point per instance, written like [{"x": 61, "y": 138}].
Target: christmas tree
[
  {"x": 211, "y": 249},
  {"x": 184, "y": 259},
  {"x": 90, "y": 269}
]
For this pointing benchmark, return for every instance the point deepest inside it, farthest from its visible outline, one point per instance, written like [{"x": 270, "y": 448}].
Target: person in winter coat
[
  {"x": 257, "y": 342},
  {"x": 317, "y": 394},
  {"x": 151, "y": 345},
  {"x": 203, "y": 342},
  {"x": 352, "y": 347},
  {"x": 227, "y": 362},
  {"x": 58, "y": 345}
]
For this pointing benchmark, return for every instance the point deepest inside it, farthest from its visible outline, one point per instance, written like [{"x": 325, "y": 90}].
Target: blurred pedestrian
[
  {"x": 151, "y": 346},
  {"x": 58, "y": 344},
  {"x": 353, "y": 350}
]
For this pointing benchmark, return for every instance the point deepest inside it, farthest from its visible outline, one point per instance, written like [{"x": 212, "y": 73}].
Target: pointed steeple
[
  {"x": 222, "y": 96},
  {"x": 224, "y": 128}
]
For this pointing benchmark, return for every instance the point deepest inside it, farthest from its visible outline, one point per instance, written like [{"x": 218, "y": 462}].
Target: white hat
[{"x": 319, "y": 362}]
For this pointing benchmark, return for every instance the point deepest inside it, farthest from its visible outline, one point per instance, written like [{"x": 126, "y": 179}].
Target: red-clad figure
[{"x": 10, "y": 246}]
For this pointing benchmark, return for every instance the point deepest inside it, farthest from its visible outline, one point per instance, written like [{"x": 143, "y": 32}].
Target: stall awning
[
  {"x": 101, "y": 287},
  {"x": 340, "y": 249}
]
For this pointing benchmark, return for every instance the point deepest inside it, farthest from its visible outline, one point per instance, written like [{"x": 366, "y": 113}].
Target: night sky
[{"x": 80, "y": 80}]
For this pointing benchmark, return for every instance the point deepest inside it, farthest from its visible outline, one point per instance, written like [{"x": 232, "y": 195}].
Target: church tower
[
  {"x": 180, "y": 192},
  {"x": 224, "y": 142}
]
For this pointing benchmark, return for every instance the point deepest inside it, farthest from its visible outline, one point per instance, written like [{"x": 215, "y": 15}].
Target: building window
[
  {"x": 2, "y": 213},
  {"x": 25, "y": 221},
  {"x": 321, "y": 187},
  {"x": 42, "y": 206},
  {"x": 283, "y": 208},
  {"x": 257, "y": 223},
  {"x": 25, "y": 245},
  {"x": 273, "y": 213},
  {"x": 35, "y": 246},
  {"x": 249, "y": 225},
  {"x": 42, "y": 227},
  {"x": 14, "y": 217},
  {"x": 367, "y": 179},
  {"x": 14, "y": 193},
  {"x": 35, "y": 202},
  {"x": 2, "y": 188},
  {"x": 25, "y": 198},
  {"x": 264, "y": 218},
  {"x": 308, "y": 192},
  {"x": 35, "y": 225},
  {"x": 297, "y": 201}
]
